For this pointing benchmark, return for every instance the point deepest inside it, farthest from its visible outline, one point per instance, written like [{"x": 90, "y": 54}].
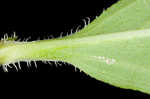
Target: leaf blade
[{"x": 123, "y": 16}]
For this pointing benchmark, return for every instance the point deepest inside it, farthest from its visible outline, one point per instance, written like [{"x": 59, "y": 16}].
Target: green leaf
[
  {"x": 114, "y": 48},
  {"x": 126, "y": 15}
]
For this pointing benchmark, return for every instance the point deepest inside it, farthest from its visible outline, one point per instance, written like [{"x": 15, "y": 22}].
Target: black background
[{"x": 42, "y": 19}]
